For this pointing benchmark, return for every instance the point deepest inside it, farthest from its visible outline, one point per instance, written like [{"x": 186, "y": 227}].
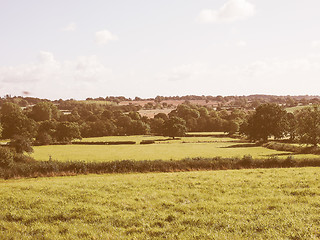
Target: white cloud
[
  {"x": 103, "y": 37},
  {"x": 70, "y": 27},
  {"x": 46, "y": 57},
  {"x": 315, "y": 44},
  {"x": 241, "y": 43},
  {"x": 54, "y": 79},
  {"x": 270, "y": 76},
  {"x": 233, "y": 10}
]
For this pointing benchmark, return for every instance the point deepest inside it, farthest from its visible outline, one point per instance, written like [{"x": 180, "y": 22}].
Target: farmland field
[
  {"x": 186, "y": 147},
  {"x": 297, "y": 108},
  {"x": 233, "y": 204},
  {"x": 152, "y": 112}
]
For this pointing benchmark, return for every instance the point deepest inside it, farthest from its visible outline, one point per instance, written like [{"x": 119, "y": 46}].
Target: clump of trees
[{"x": 270, "y": 120}]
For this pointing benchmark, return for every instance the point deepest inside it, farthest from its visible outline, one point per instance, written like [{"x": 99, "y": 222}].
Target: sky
[{"x": 80, "y": 48}]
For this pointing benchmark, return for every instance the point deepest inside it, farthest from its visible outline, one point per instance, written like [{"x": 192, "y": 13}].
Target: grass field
[
  {"x": 97, "y": 102},
  {"x": 233, "y": 204},
  {"x": 187, "y": 147},
  {"x": 150, "y": 113},
  {"x": 135, "y": 138},
  {"x": 293, "y": 109}
]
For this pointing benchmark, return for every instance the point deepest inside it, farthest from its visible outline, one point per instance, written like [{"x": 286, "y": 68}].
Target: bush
[
  {"x": 21, "y": 144},
  {"x": 147, "y": 142},
  {"x": 6, "y": 157},
  {"x": 21, "y": 158},
  {"x": 43, "y": 138}
]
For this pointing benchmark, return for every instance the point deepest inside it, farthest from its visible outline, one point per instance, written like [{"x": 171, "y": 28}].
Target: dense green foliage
[
  {"x": 15, "y": 122},
  {"x": 56, "y": 168},
  {"x": 269, "y": 120},
  {"x": 6, "y": 158},
  {"x": 309, "y": 125},
  {"x": 245, "y": 204}
]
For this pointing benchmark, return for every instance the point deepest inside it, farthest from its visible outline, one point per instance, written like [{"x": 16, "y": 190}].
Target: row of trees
[{"x": 46, "y": 123}]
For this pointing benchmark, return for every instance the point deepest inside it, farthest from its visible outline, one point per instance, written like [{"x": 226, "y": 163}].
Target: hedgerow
[{"x": 56, "y": 168}]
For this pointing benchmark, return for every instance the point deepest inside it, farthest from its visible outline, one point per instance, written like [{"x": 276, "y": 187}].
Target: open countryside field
[
  {"x": 233, "y": 204},
  {"x": 297, "y": 108},
  {"x": 150, "y": 113},
  {"x": 186, "y": 147}
]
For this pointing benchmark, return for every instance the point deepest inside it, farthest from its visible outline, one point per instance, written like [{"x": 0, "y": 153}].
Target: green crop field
[
  {"x": 186, "y": 147},
  {"x": 233, "y": 204}
]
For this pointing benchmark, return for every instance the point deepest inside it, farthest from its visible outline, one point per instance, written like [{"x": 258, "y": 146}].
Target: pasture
[
  {"x": 186, "y": 147},
  {"x": 233, "y": 204},
  {"x": 150, "y": 113}
]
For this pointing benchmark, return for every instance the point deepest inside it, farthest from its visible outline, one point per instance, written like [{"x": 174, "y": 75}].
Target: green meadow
[
  {"x": 233, "y": 204},
  {"x": 186, "y": 147}
]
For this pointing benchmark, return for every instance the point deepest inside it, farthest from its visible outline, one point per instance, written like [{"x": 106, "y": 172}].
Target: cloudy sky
[{"x": 80, "y": 48}]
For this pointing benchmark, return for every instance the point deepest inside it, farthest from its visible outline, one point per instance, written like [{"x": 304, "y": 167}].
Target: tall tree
[
  {"x": 268, "y": 120},
  {"x": 175, "y": 127},
  {"x": 308, "y": 125},
  {"x": 43, "y": 111},
  {"x": 15, "y": 122},
  {"x": 67, "y": 131}
]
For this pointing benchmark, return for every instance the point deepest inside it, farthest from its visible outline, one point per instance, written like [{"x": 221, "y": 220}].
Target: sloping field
[
  {"x": 187, "y": 147},
  {"x": 233, "y": 204}
]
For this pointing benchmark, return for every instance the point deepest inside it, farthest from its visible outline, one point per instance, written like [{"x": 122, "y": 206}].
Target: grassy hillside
[{"x": 238, "y": 204}]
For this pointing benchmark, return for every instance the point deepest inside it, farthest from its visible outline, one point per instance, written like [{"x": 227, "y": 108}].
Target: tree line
[{"x": 45, "y": 123}]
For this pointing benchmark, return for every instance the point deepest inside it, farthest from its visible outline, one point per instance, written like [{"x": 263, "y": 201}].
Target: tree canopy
[
  {"x": 268, "y": 120},
  {"x": 308, "y": 128}
]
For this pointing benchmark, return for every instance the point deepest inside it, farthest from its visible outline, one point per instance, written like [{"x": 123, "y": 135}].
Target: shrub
[
  {"x": 19, "y": 157},
  {"x": 44, "y": 138},
  {"x": 147, "y": 142},
  {"x": 6, "y": 157},
  {"x": 21, "y": 144}
]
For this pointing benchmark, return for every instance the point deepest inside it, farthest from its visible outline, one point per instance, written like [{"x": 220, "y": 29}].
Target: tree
[
  {"x": 291, "y": 125},
  {"x": 21, "y": 144},
  {"x": 157, "y": 125},
  {"x": 175, "y": 127},
  {"x": 45, "y": 111},
  {"x": 162, "y": 116},
  {"x": 232, "y": 127},
  {"x": 268, "y": 120},
  {"x": 308, "y": 125},
  {"x": 67, "y": 131},
  {"x": 15, "y": 122},
  {"x": 6, "y": 157},
  {"x": 138, "y": 127}
]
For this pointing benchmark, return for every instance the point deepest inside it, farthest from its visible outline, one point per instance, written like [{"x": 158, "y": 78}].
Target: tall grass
[{"x": 241, "y": 204}]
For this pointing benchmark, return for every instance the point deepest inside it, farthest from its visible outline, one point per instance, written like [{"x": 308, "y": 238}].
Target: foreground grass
[
  {"x": 188, "y": 147},
  {"x": 233, "y": 204}
]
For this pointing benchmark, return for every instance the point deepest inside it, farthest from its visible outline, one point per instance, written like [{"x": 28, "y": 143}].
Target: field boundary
[{"x": 56, "y": 168}]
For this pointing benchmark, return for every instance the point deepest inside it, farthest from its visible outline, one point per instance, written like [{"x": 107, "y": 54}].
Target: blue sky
[{"x": 78, "y": 49}]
